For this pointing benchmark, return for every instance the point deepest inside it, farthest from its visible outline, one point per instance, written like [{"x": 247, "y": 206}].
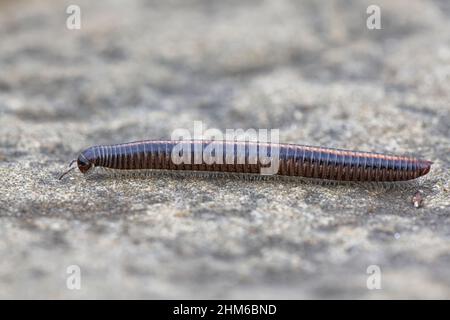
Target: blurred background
[{"x": 140, "y": 69}]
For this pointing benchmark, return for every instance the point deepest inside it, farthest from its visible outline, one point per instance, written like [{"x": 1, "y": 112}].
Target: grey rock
[{"x": 141, "y": 69}]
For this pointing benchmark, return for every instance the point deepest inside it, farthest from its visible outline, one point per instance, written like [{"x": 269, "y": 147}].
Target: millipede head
[{"x": 83, "y": 163}]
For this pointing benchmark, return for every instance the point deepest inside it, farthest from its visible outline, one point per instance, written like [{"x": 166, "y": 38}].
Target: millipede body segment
[{"x": 247, "y": 158}]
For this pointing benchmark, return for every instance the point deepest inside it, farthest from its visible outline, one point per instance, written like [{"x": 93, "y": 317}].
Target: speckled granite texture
[{"x": 139, "y": 69}]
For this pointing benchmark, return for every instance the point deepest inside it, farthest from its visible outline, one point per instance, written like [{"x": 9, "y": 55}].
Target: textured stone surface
[{"x": 141, "y": 69}]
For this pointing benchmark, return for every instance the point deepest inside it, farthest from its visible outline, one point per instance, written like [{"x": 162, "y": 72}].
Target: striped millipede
[{"x": 293, "y": 160}]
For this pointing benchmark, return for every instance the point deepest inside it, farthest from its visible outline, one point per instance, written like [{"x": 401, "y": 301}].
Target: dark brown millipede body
[{"x": 294, "y": 160}]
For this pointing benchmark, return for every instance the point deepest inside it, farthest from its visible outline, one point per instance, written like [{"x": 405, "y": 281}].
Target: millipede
[{"x": 245, "y": 157}]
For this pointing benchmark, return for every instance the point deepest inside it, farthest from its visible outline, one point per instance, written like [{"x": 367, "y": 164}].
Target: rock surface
[{"x": 141, "y": 69}]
